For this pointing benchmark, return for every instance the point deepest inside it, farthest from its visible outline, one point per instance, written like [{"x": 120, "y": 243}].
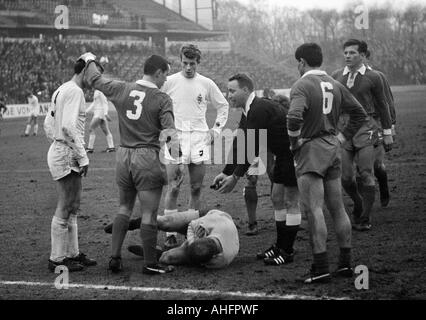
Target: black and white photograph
[{"x": 214, "y": 155}]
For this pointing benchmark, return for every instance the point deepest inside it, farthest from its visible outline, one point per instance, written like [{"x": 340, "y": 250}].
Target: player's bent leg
[
  {"x": 120, "y": 226},
  {"x": 251, "y": 198},
  {"x": 176, "y": 256},
  {"x": 197, "y": 172},
  {"x": 108, "y": 135},
  {"x": 92, "y": 133},
  {"x": 381, "y": 175},
  {"x": 342, "y": 225},
  {"x": 350, "y": 185},
  {"x": 68, "y": 192},
  {"x": 150, "y": 200},
  {"x": 311, "y": 189},
  {"x": 365, "y": 162}
]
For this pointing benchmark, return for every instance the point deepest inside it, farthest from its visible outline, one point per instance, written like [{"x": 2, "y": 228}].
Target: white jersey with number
[
  {"x": 190, "y": 98},
  {"x": 34, "y": 105}
]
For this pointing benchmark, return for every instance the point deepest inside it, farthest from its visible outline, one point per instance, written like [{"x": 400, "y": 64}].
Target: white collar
[
  {"x": 249, "y": 102},
  {"x": 361, "y": 70},
  {"x": 315, "y": 72},
  {"x": 147, "y": 84}
]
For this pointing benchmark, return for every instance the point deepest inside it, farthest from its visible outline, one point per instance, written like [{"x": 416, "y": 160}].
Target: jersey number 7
[
  {"x": 327, "y": 97},
  {"x": 139, "y": 96}
]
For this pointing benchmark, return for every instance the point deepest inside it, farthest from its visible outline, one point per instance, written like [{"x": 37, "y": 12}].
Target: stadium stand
[{"x": 43, "y": 65}]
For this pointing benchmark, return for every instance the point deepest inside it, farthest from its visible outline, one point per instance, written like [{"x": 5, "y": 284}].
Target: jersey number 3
[
  {"x": 139, "y": 96},
  {"x": 327, "y": 97}
]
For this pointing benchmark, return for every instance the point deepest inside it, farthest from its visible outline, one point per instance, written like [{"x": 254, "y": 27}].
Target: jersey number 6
[
  {"x": 139, "y": 96},
  {"x": 327, "y": 97}
]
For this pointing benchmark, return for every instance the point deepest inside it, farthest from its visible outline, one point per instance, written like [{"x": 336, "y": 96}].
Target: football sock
[
  {"x": 149, "y": 242},
  {"x": 250, "y": 197},
  {"x": 72, "y": 236},
  {"x": 280, "y": 216},
  {"x": 321, "y": 262},
  {"x": 168, "y": 212},
  {"x": 352, "y": 190},
  {"x": 27, "y": 129},
  {"x": 110, "y": 141},
  {"x": 35, "y": 128},
  {"x": 119, "y": 230},
  {"x": 293, "y": 221},
  {"x": 59, "y": 239},
  {"x": 345, "y": 257},
  {"x": 92, "y": 138},
  {"x": 382, "y": 178},
  {"x": 368, "y": 195}
]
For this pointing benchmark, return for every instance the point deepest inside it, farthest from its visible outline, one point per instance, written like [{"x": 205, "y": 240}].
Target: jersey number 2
[
  {"x": 327, "y": 97},
  {"x": 139, "y": 96}
]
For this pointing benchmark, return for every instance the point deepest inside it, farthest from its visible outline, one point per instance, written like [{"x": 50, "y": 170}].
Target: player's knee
[
  {"x": 252, "y": 181},
  {"x": 250, "y": 192},
  {"x": 379, "y": 165},
  {"x": 277, "y": 199},
  {"x": 367, "y": 178},
  {"x": 196, "y": 188},
  {"x": 173, "y": 189}
]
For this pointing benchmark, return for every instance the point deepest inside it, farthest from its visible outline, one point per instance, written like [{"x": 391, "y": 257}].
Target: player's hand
[
  {"x": 210, "y": 138},
  {"x": 387, "y": 142},
  {"x": 83, "y": 170},
  {"x": 218, "y": 181},
  {"x": 393, "y": 132},
  {"x": 200, "y": 232},
  {"x": 341, "y": 138},
  {"x": 228, "y": 184},
  {"x": 178, "y": 174},
  {"x": 88, "y": 56}
]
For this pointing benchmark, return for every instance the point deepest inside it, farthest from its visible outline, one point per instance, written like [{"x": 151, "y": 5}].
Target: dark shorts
[
  {"x": 367, "y": 135},
  {"x": 320, "y": 156},
  {"x": 284, "y": 172},
  {"x": 139, "y": 169}
]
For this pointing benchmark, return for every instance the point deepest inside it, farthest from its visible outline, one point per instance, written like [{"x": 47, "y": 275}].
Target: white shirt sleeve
[
  {"x": 49, "y": 121},
  {"x": 219, "y": 102},
  {"x": 69, "y": 125}
]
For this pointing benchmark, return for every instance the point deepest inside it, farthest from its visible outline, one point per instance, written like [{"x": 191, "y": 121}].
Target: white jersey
[
  {"x": 66, "y": 118},
  {"x": 219, "y": 225},
  {"x": 34, "y": 105},
  {"x": 190, "y": 98},
  {"x": 99, "y": 105}
]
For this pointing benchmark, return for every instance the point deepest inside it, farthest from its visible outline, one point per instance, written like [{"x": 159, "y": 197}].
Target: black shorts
[{"x": 284, "y": 172}]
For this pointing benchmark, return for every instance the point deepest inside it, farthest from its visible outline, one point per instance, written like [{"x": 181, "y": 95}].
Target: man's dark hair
[
  {"x": 79, "y": 66},
  {"x": 202, "y": 250},
  {"x": 311, "y": 53},
  {"x": 191, "y": 52},
  {"x": 153, "y": 63},
  {"x": 282, "y": 100},
  {"x": 368, "y": 54},
  {"x": 362, "y": 45},
  {"x": 243, "y": 81}
]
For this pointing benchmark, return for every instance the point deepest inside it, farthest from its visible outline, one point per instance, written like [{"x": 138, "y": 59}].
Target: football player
[
  {"x": 68, "y": 163},
  {"x": 100, "y": 119},
  {"x": 190, "y": 93},
  {"x": 316, "y": 102},
  {"x": 34, "y": 111},
  {"x": 367, "y": 87},
  {"x": 144, "y": 112}
]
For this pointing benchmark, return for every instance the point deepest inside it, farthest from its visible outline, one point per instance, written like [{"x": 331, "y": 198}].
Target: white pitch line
[
  {"x": 249, "y": 295},
  {"x": 391, "y": 164}
]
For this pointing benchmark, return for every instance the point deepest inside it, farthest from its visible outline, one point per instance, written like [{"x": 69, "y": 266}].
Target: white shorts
[
  {"x": 61, "y": 161},
  {"x": 195, "y": 147}
]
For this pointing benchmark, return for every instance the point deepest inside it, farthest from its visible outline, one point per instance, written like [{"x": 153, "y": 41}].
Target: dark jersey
[
  {"x": 316, "y": 103},
  {"x": 263, "y": 114},
  {"x": 388, "y": 95},
  {"x": 143, "y": 110},
  {"x": 368, "y": 90}
]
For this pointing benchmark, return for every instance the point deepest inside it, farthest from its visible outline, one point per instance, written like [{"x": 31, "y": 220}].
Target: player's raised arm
[
  {"x": 222, "y": 106},
  {"x": 357, "y": 114},
  {"x": 72, "y": 104},
  {"x": 112, "y": 89}
]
